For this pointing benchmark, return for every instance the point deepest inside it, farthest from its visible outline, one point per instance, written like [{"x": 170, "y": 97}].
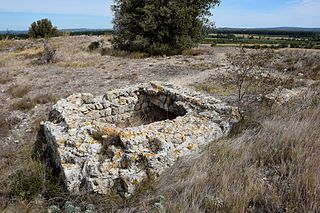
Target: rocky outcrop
[{"x": 117, "y": 140}]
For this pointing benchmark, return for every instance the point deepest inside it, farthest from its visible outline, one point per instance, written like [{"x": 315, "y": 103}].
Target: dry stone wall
[{"x": 117, "y": 140}]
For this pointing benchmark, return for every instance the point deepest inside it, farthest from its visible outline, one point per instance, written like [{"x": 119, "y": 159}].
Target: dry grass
[
  {"x": 216, "y": 89},
  {"x": 25, "y": 182},
  {"x": 297, "y": 62},
  {"x": 30, "y": 53},
  {"x": 18, "y": 91},
  {"x": 5, "y": 43},
  {"x": 45, "y": 98},
  {"x": 6, "y": 124},
  {"x": 5, "y": 79},
  {"x": 272, "y": 168},
  {"x": 6, "y": 59},
  {"x": 26, "y": 104},
  {"x": 122, "y": 53},
  {"x": 77, "y": 64},
  {"x": 194, "y": 52}
]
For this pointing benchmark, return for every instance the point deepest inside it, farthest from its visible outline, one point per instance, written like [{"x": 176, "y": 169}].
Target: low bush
[
  {"x": 6, "y": 124},
  {"x": 48, "y": 55},
  {"x": 42, "y": 29},
  {"x": 45, "y": 98},
  {"x": 122, "y": 53},
  {"x": 26, "y": 104},
  {"x": 95, "y": 45},
  {"x": 18, "y": 91}
]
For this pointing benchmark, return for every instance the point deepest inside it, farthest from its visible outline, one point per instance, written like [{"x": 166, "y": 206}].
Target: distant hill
[
  {"x": 287, "y": 29},
  {"x": 77, "y": 30}
]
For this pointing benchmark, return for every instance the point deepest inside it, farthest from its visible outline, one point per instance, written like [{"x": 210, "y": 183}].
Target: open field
[
  {"x": 269, "y": 163},
  {"x": 264, "y": 39}
]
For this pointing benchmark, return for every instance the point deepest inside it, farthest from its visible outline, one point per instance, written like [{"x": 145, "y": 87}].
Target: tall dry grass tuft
[
  {"x": 25, "y": 182},
  {"x": 20, "y": 90},
  {"x": 298, "y": 62},
  {"x": 272, "y": 168}
]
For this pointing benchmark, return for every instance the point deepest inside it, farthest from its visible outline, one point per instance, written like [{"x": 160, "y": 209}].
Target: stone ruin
[{"x": 115, "y": 141}]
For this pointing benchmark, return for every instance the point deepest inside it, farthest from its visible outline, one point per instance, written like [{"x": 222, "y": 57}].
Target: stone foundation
[{"x": 115, "y": 141}]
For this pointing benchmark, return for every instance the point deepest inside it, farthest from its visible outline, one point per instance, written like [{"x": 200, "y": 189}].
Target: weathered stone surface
[
  {"x": 282, "y": 95},
  {"x": 115, "y": 141}
]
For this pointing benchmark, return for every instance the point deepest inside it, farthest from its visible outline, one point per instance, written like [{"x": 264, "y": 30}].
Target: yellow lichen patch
[
  {"x": 196, "y": 130},
  {"x": 110, "y": 131},
  {"x": 157, "y": 86},
  {"x": 109, "y": 167},
  {"x": 122, "y": 101},
  {"x": 190, "y": 146},
  {"x": 148, "y": 155},
  {"x": 177, "y": 152},
  {"x": 135, "y": 182},
  {"x": 83, "y": 148},
  {"x": 183, "y": 137},
  {"x": 94, "y": 142},
  {"x": 128, "y": 134},
  {"x": 118, "y": 155},
  {"x": 61, "y": 141},
  {"x": 87, "y": 123},
  {"x": 114, "y": 165}
]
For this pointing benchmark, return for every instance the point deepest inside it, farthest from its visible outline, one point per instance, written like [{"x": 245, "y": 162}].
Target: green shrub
[
  {"x": 42, "y": 29},
  {"x": 95, "y": 45},
  {"x": 160, "y": 27}
]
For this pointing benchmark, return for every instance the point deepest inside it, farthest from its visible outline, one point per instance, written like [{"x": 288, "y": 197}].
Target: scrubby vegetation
[{"x": 42, "y": 29}]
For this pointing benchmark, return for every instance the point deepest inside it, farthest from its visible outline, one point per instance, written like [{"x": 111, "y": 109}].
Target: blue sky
[{"x": 19, "y": 14}]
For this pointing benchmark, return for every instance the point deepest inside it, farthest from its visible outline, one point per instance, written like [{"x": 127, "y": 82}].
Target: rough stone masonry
[{"x": 117, "y": 140}]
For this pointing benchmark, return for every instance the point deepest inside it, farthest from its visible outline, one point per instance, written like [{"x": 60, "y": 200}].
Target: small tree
[
  {"x": 160, "y": 26},
  {"x": 246, "y": 74},
  {"x": 42, "y": 29}
]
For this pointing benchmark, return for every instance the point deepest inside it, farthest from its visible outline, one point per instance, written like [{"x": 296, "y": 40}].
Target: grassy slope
[{"x": 271, "y": 168}]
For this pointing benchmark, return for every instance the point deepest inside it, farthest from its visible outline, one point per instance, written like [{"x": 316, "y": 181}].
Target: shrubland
[{"x": 269, "y": 163}]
